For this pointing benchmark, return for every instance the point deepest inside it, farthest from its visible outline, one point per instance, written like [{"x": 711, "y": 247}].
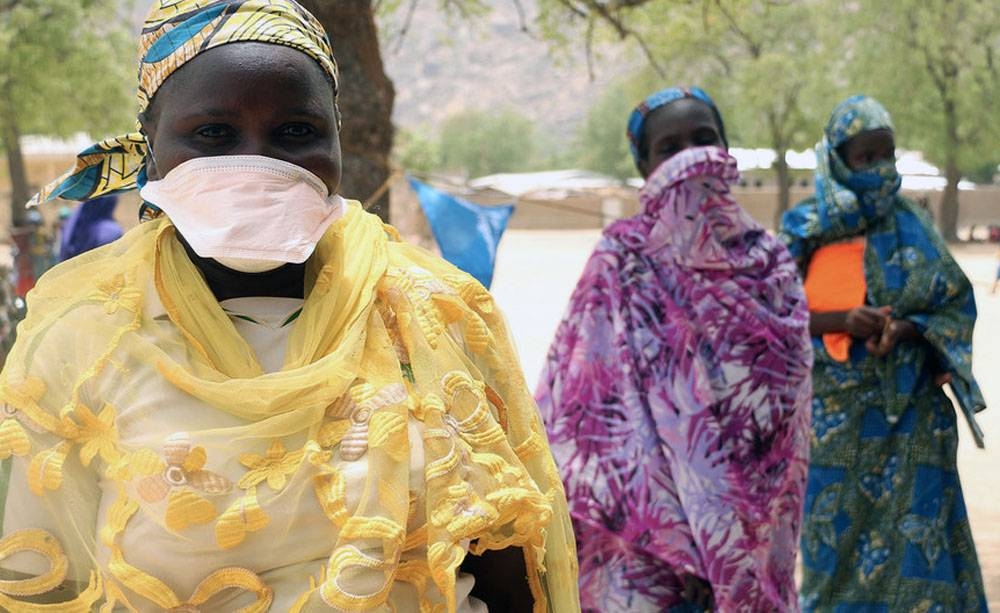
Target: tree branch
[
  {"x": 522, "y": 17},
  {"x": 924, "y": 50},
  {"x": 589, "y": 41},
  {"x": 608, "y": 12},
  {"x": 407, "y": 22},
  {"x": 753, "y": 46},
  {"x": 572, "y": 8},
  {"x": 727, "y": 67},
  {"x": 465, "y": 9}
]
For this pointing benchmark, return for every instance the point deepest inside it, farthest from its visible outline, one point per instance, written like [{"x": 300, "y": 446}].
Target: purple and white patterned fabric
[{"x": 676, "y": 396}]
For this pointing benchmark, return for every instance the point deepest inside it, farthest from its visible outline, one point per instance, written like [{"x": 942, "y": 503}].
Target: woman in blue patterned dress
[{"x": 891, "y": 316}]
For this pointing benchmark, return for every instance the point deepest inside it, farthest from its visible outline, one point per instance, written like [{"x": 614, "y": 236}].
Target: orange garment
[{"x": 835, "y": 281}]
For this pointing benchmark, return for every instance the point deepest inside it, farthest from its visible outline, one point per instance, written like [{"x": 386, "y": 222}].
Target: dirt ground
[{"x": 537, "y": 270}]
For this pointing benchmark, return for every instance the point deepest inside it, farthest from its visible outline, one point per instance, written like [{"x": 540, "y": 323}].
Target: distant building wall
[
  {"x": 576, "y": 210},
  {"x": 581, "y": 211},
  {"x": 980, "y": 206}
]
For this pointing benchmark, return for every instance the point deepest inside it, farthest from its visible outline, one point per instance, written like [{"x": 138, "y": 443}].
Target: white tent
[
  {"x": 519, "y": 184},
  {"x": 752, "y": 159},
  {"x": 913, "y": 163}
]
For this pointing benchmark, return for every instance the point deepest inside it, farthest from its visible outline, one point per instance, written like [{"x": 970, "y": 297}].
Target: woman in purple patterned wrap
[{"x": 676, "y": 392}]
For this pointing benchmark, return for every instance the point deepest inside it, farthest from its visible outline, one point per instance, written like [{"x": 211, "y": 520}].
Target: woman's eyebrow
[
  {"x": 209, "y": 112},
  {"x": 219, "y": 113},
  {"x": 309, "y": 112}
]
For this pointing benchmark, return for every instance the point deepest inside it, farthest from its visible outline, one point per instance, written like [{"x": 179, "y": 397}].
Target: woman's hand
[
  {"x": 896, "y": 330},
  {"x": 698, "y": 592},
  {"x": 867, "y": 321}
]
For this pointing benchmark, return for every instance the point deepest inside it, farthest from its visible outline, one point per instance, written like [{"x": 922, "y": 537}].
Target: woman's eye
[
  {"x": 213, "y": 132},
  {"x": 297, "y": 130},
  {"x": 707, "y": 138}
]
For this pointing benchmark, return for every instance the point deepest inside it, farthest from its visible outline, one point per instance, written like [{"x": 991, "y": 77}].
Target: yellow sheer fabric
[{"x": 394, "y": 352}]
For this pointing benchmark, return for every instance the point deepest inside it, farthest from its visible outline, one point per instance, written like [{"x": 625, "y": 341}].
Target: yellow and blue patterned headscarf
[
  {"x": 854, "y": 196},
  {"x": 174, "y": 33}
]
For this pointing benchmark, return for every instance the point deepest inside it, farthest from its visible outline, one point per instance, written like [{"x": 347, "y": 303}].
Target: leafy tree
[
  {"x": 939, "y": 74},
  {"x": 486, "y": 142},
  {"x": 601, "y": 142},
  {"x": 367, "y": 94},
  {"x": 65, "y": 66},
  {"x": 774, "y": 77},
  {"x": 414, "y": 150},
  {"x": 984, "y": 173},
  {"x": 764, "y": 61}
]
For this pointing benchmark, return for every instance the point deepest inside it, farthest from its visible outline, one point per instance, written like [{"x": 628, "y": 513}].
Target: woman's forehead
[
  {"x": 679, "y": 116},
  {"x": 230, "y": 71}
]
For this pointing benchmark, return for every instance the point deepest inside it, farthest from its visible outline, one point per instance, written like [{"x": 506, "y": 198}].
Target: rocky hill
[{"x": 443, "y": 65}]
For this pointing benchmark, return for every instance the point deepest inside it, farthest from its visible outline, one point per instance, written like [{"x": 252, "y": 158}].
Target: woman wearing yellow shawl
[{"x": 261, "y": 399}]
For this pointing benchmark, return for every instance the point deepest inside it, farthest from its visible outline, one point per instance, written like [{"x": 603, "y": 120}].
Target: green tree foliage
[
  {"x": 939, "y": 75},
  {"x": 985, "y": 173},
  {"x": 65, "y": 66},
  {"x": 601, "y": 143},
  {"x": 778, "y": 67},
  {"x": 487, "y": 142},
  {"x": 413, "y": 149},
  {"x": 763, "y": 61}
]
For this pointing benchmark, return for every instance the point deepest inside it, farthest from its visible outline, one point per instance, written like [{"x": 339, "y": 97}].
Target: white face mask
[{"x": 248, "y": 212}]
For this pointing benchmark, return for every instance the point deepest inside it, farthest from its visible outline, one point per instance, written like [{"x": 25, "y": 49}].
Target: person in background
[
  {"x": 10, "y": 313},
  {"x": 260, "y": 399},
  {"x": 89, "y": 227},
  {"x": 891, "y": 315},
  {"x": 40, "y": 243},
  {"x": 58, "y": 231},
  {"x": 676, "y": 391}
]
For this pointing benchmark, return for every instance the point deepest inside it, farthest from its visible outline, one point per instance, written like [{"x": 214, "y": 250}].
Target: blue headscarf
[
  {"x": 89, "y": 227},
  {"x": 637, "y": 120},
  {"x": 849, "y": 200}
]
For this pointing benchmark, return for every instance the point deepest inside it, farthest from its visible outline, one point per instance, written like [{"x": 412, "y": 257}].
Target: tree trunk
[
  {"x": 366, "y": 97},
  {"x": 11, "y": 139},
  {"x": 776, "y": 122},
  {"x": 949, "y": 200},
  {"x": 783, "y": 177}
]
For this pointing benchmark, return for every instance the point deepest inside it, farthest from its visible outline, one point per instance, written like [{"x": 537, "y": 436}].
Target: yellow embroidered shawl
[{"x": 388, "y": 333}]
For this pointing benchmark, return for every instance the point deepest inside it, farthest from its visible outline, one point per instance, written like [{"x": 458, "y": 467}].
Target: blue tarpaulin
[{"x": 467, "y": 233}]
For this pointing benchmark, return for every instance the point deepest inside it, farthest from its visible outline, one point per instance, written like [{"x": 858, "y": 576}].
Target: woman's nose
[{"x": 256, "y": 144}]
